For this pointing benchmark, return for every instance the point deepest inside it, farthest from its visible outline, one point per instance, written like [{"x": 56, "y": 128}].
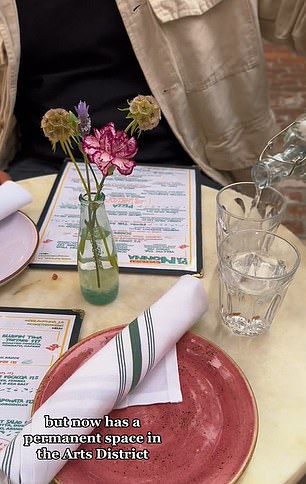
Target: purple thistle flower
[{"x": 84, "y": 121}]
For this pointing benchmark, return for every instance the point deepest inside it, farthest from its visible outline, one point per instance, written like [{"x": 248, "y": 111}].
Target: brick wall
[{"x": 287, "y": 80}]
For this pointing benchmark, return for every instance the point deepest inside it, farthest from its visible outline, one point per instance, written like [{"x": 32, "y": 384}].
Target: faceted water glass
[
  {"x": 242, "y": 206},
  {"x": 255, "y": 270}
]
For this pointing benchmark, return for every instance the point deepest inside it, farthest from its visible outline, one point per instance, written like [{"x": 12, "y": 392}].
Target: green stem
[
  {"x": 93, "y": 174},
  {"x": 89, "y": 227},
  {"x": 93, "y": 240},
  {"x": 87, "y": 176},
  {"x": 100, "y": 186},
  {"x": 81, "y": 247},
  {"x": 88, "y": 167},
  {"x": 129, "y": 126},
  {"x": 78, "y": 170},
  {"x": 111, "y": 258}
]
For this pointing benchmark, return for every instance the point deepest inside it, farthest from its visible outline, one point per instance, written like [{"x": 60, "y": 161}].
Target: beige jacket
[{"x": 204, "y": 63}]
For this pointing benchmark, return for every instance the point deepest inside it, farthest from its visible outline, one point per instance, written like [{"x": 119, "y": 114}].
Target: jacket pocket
[
  {"x": 209, "y": 39},
  {"x": 166, "y": 10}
]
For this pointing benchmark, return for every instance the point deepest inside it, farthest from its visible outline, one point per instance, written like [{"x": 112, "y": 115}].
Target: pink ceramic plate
[
  {"x": 209, "y": 438},
  {"x": 18, "y": 243}
]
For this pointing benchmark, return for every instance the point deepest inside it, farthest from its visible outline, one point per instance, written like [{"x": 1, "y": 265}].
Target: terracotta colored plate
[
  {"x": 207, "y": 439},
  {"x": 18, "y": 243}
]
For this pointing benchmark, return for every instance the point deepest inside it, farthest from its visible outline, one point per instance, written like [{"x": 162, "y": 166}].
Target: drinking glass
[
  {"x": 244, "y": 206},
  {"x": 255, "y": 270}
]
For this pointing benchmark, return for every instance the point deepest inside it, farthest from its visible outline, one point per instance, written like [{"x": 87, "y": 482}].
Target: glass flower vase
[{"x": 97, "y": 257}]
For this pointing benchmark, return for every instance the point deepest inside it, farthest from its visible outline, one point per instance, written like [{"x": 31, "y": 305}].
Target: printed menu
[
  {"x": 155, "y": 215},
  {"x": 31, "y": 341}
]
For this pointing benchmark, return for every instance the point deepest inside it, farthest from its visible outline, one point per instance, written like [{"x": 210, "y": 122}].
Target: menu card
[
  {"x": 155, "y": 215},
  {"x": 31, "y": 340}
]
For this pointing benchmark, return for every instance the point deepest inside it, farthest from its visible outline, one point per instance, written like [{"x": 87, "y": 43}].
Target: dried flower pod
[
  {"x": 145, "y": 113},
  {"x": 59, "y": 125}
]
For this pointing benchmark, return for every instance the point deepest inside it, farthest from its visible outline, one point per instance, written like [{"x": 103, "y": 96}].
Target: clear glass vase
[{"x": 97, "y": 256}]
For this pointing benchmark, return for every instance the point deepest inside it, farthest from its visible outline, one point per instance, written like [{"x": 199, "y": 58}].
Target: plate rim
[
  {"x": 255, "y": 435},
  {"x": 26, "y": 263}
]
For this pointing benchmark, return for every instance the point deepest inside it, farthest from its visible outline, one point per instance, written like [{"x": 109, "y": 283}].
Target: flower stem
[
  {"x": 93, "y": 240},
  {"x": 111, "y": 258},
  {"x": 90, "y": 227},
  {"x": 100, "y": 186},
  {"x": 78, "y": 170},
  {"x": 93, "y": 174},
  {"x": 88, "y": 177},
  {"x": 129, "y": 126}
]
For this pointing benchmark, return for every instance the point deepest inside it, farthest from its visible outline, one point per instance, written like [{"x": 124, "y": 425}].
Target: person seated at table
[{"x": 203, "y": 62}]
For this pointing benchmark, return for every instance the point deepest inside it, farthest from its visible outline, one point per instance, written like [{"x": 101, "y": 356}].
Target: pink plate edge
[
  {"x": 250, "y": 453},
  {"x": 24, "y": 266}
]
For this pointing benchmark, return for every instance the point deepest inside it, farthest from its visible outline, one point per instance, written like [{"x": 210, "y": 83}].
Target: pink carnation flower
[{"x": 109, "y": 148}]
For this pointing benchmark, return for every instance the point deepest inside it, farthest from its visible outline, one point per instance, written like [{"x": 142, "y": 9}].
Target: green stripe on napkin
[
  {"x": 122, "y": 366},
  {"x": 136, "y": 351},
  {"x": 150, "y": 337}
]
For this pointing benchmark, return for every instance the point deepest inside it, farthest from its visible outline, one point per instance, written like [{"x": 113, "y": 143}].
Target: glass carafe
[{"x": 284, "y": 156}]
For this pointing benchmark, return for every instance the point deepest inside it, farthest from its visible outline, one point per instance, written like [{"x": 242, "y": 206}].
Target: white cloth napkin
[
  {"x": 161, "y": 385},
  {"x": 105, "y": 380},
  {"x": 12, "y": 198}
]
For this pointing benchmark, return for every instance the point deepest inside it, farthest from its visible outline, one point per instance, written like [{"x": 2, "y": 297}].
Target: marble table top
[{"x": 274, "y": 363}]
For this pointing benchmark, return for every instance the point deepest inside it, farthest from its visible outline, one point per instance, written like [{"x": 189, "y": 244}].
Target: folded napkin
[
  {"x": 12, "y": 198},
  {"x": 161, "y": 385},
  {"x": 105, "y": 379}
]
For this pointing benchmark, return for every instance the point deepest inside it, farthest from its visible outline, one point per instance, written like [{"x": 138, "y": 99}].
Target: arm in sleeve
[{"x": 284, "y": 21}]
